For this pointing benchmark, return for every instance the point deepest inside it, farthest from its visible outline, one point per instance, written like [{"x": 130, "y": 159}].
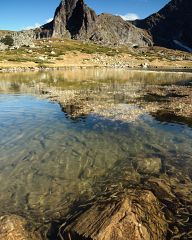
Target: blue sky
[{"x": 21, "y": 14}]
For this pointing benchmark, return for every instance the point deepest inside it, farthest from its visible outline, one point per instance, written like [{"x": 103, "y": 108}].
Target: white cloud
[
  {"x": 49, "y": 20},
  {"x": 130, "y": 16},
  {"x": 37, "y": 25}
]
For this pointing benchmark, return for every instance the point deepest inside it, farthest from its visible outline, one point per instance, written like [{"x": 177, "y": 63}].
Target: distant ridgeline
[{"x": 172, "y": 26}]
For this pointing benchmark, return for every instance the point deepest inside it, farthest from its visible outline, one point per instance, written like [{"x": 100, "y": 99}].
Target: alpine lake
[{"x": 66, "y": 136}]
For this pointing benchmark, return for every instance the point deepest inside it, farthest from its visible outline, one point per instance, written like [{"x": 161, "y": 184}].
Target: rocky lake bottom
[{"x": 70, "y": 139}]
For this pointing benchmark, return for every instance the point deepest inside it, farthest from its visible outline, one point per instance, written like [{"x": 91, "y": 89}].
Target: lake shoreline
[{"x": 148, "y": 69}]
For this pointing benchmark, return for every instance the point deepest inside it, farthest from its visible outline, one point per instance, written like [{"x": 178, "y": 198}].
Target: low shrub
[{"x": 7, "y": 40}]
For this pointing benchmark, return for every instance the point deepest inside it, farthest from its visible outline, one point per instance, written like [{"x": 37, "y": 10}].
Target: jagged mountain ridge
[
  {"x": 74, "y": 19},
  {"x": 171, "y": 26}
]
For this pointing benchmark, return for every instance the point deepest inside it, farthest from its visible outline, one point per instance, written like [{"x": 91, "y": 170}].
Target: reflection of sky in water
[{"x": 48, "y": 160}]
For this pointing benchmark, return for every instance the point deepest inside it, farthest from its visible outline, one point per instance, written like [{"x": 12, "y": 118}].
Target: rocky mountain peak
[
  {"x": 68, "y": 6},
  {"x": 71, "y": 18},
  {"x": 74, "y": 19}
]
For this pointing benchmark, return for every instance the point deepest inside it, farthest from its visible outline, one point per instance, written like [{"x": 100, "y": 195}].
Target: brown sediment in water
[
  {"x": 168, "y": 103},
  {"x": 174, "y": 99}
]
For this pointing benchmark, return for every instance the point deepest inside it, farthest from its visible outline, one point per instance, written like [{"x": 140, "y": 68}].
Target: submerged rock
[
  {"x": 148, "y": 165},
  {"x": 169, "y": 103},
  {"x": 15, "y": 228},
  {"x": 137, "y": 215},
  {"x": 175, "y": 194},
  {"x": 162, "y": 189}
]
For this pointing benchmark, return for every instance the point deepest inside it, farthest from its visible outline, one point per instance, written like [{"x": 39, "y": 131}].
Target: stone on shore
[{"x": 3, "y": 47}]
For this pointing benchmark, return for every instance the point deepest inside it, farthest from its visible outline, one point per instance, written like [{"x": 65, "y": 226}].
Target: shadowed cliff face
[
  {"x": 74, "y": 19},
  {"x": 171, "y": 26}
]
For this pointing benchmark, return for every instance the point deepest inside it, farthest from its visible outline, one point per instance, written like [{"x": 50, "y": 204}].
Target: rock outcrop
[
  {"x": 137, "y": 215},
  {"x": 23, "y": 38},
  {"x": 74, "y": 19},
  {"x": 17, "y": 39},
  {"x": 171, "y": 26}
]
